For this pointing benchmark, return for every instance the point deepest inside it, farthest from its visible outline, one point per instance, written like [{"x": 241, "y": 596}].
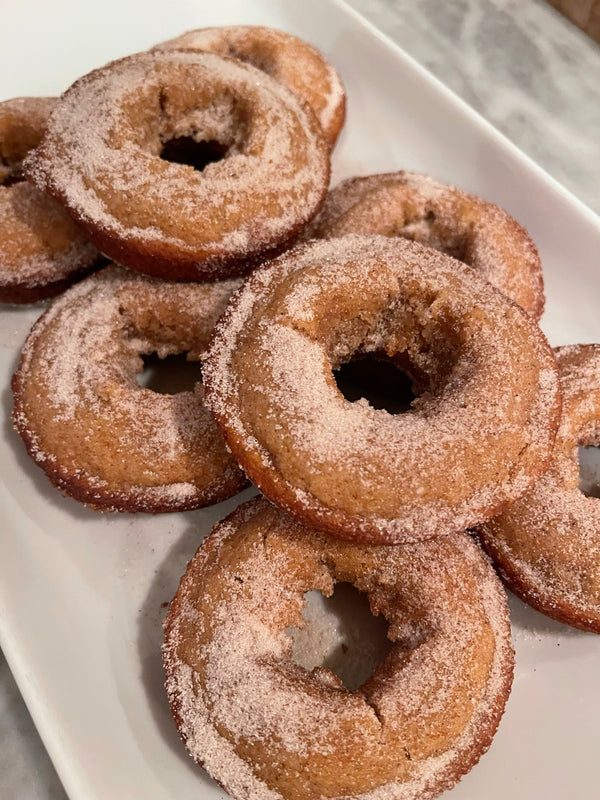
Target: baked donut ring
[
  {"x": 469, "y": 444},
  {"x": 100, "y": 436},
  {"x": 42, "y": 251},
  {"x": 265, "y": 727},
  {"x": 288, "y": 59},
  {"x": 547, "y": 545},
  {"x": 101, "y": 157},
  {"x": 461, "y": 225}
]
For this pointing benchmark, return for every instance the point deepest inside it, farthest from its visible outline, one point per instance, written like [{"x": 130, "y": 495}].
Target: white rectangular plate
[{"x": 82, "y": 595}]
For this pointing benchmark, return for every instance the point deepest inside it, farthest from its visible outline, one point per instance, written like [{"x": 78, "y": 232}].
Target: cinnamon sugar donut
[
  {"x": 461, "y": 225},
  {"x": 547, "y": 545},
  {"x": 265, "y": 727},
  {"x": 475, "y": 439},
  {"x": 288, "y": 59},
  {"x": 100, "y": 436},
  {"x": 101, "y": 157},
  {"x": 41, "y": 250}
]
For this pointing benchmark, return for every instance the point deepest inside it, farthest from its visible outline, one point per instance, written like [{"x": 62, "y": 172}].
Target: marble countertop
[
  {"x": 528, "y": 71},
  {"x": 522, "y": 65}
]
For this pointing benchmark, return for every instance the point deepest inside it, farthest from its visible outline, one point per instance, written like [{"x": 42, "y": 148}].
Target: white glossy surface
[{"x": 81, "y": 595}]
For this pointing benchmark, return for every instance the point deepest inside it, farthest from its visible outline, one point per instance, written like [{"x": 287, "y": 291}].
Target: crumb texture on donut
[
  {"x": 42, "y": 251},
  {"x": 547, "y": 545},
  {"x": 99, "y": 435},
  {"x": 265, "y": 727},
  {"x": 287, "y": 58},
  {"x": 476, "y": 436},
  {"x": 462, "y": 225},
  {"x": 101, "y": 157}
]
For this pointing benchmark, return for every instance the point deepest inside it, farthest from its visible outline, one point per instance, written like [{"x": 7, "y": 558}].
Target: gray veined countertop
[
  {"x": 521, "y": 64},
  {"x": 526, "y": 69}
]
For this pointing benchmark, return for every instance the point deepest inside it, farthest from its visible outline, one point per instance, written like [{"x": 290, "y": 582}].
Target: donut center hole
[
  {"x": 11, "y": 171},
  {"x": 378, "y": 380},
  {"x": 186, "y": 150},
  {"x": 589, "y": 471},
  {"x": 342, "y": 635},
  {"x": 169, "y": 375},
  {"x": 424, "y": 230}
]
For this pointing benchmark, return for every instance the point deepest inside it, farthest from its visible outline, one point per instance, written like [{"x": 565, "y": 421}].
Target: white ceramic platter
[{"x": 82, "y": 595}]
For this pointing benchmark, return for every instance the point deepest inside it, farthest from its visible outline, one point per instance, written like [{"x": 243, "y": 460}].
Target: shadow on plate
[
  {"x": 532, "y": 623},
  {"x": 150, "y": 630}
]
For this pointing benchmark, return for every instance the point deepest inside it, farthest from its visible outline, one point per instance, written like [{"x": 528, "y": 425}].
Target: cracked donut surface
[{"x": 265, "y": 727}]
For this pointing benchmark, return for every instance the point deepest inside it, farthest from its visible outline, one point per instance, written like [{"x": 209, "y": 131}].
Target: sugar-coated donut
[
  {"x": 461, "y": 225},
  {"x": 265, "y": 727},
  {"x": 42, "y": 251},
  {"x": 476, "y": 438},
  {"x": 100, "y": 436},
  {"x": 288, "y": 59},
  {"x": 547, "y": 545},
  {"x": 101, "y": 157}
]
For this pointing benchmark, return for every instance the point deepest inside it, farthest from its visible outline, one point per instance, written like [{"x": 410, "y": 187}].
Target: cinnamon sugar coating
[
  {"x": 100, "y": 436},
  {"x": 265, "y": 727},
  {"x": 101, "y": 157},
  {"x": 547, "y": 545},
  {"x": 288, "y": 59},
  {"x": 477, "y": 435},
  {"x": 42, "y": 251},
  {"x": 459, "y": 224}
]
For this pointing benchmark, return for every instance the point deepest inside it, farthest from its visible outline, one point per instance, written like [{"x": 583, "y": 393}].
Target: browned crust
[
  {"x": 281, "y": 55},
  {"x": 445, "y": 778},
  {"x": 553, "y": 606},
  {"x": 336, "y": 521},
  {"x": 168, "y": 259},
  {"x": 83, "y": 487},
  {"x": 21, "y": 294},
  {"x": 546, "y": 547},
  {"x": 104, "y": 494},
  {"x": 22, "y": 123},
  {"x": 156, "y": 261},
  {"x": 353, "y": 195}
]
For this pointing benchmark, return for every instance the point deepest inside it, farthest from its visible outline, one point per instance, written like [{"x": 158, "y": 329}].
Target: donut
[
  {"x": 417, "y": 207},
  {"x": 41, "y": 250},
  {"x": 101, "y": 157},
  {"x": 469, "y": 444},
  {"x": 547, "y": 545},
  {"x": 288, "y": 59},
  {"x": 102, "y": 438},
  {"x": 265, "y": 727}
]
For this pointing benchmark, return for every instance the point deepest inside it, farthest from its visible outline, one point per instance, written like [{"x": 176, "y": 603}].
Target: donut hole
[
  {"x": 459, "y": 247},
  {"x": 12, "y": 178},
  {"x": 589, "y": 470},
  {"x": 341, "y": 634},
  {"x": 257, "y": 54},
  {"x": 169, "y": 375},
  {"x": 198, "y": 155},
  {"x": 456, "y": 243},
  {"x": 11, "y": 171},
  {"x": 377, "y": 379}
]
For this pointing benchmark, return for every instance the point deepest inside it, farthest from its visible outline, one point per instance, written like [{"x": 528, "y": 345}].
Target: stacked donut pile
[{"x": 192, "y": 168}]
